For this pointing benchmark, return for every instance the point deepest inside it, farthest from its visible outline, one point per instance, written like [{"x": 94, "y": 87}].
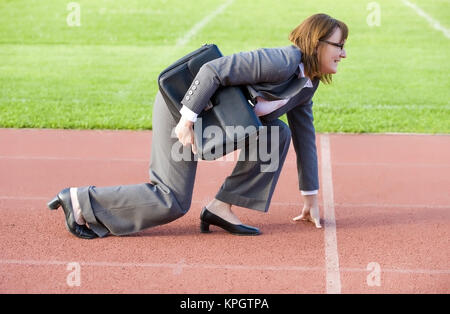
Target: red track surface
[{"x": 391, "y": 203}]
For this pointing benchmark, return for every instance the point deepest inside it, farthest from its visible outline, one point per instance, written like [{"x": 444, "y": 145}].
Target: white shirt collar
[{"x": 302, "y": 74}]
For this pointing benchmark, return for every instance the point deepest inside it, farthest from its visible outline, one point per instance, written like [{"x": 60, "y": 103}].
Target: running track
[{"x": 385, "y": 204}]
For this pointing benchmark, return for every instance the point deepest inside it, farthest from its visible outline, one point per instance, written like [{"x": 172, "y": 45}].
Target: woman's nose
[{"x": 343, "y": 53}]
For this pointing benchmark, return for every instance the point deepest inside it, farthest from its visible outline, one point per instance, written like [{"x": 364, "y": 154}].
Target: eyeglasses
[{"x": 341, "y": 46}]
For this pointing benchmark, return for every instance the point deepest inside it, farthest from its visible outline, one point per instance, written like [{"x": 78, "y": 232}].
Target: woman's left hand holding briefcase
[{"x": 222, "y": 127}]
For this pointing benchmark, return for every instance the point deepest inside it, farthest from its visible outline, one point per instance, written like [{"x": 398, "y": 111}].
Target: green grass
[{"x": 102, "y": 75}]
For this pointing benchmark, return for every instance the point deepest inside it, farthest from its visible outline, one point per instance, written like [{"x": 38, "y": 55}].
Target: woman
[{"x": 279, "y": 80}]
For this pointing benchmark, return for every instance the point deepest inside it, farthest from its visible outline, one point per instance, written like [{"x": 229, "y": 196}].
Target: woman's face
[{"x": 330, "y": 55}]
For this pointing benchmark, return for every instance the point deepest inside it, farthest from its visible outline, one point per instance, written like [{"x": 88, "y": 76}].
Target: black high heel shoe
[
  {"x": 63, "y": 199},
  {"x": 207, "y": 218}
]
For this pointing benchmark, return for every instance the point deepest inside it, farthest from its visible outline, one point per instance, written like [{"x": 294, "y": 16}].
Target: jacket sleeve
[
  {"x": 301, "y": 123},
  {"x": 244, "y": 68}
]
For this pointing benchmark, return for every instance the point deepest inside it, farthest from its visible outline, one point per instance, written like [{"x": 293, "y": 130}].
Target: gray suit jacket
[{"x": 271, "y": 73}]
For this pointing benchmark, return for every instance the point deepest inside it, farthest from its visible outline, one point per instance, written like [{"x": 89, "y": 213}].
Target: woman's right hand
[
  {"x": 310, "y": 210},
  {"x": 185, "y": 133}
]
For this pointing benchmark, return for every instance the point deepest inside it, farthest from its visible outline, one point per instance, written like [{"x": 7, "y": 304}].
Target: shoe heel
[
  {"x": 54, "y": 203},
  {"x": 204, "y": 227}
]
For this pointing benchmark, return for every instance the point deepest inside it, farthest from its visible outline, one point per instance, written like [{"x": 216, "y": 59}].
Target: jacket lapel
[
  {"x": 300, "y": 98},
  {"x": 277, "y": 91}
]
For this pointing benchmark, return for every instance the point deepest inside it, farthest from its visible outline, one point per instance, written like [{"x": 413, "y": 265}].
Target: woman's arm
[
  {"x": 301, "y": 122},
  {"x": 244, "y": 68}
]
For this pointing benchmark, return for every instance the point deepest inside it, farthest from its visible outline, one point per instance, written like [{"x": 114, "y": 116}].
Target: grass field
[{"x": 102, "y": 74}]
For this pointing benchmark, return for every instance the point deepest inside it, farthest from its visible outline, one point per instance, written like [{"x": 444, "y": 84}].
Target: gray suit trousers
[{"x": 127, "y": 209}]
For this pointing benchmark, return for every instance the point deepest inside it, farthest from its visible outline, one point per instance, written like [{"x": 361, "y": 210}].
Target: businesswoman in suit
[{"x": 279, "y": 80}]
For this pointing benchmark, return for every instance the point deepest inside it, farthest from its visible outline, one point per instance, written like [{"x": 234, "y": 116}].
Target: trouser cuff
[{"x": 88, "y": 212}]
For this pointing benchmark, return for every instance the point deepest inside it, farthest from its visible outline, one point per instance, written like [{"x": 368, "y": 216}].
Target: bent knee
[
  {"x": 181, "y": 205},
  {"x": 284, "y": 132}
]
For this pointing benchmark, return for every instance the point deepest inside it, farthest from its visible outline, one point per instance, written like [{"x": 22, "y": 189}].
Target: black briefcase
[{"x": 229, "y": 120}]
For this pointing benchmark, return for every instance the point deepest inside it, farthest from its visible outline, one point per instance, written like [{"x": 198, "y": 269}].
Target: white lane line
[
  {"x": 409, "y": 206},
  {"x": 184, "y": 265},
  {"x": 401, "y": 271},
  {"x": 218, "y": 162},
  {"x": 333, "y": 277},
  {"x": 222, "y": 160},
  {"x": 286, "y": 204},
  {"x": 197, "y": 27},
  {"x": 24, "y": 198},
  {"x": 370, "y": 205},
  {"x": 434, "y": 23},
  {"x": 387, "y": 164},
  {"x": 74, "y": 158},
  {"x": 175, "y": 266}
]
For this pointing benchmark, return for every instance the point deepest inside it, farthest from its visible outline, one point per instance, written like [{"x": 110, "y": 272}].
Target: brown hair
[{"x": 306, "y": 37}]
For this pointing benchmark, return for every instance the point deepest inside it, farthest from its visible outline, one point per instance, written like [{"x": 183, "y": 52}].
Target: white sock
[{"x": 76, "y": 207}]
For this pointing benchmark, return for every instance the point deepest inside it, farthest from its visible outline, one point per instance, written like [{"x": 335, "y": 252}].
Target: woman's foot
[
  {"x": 223, "y": 210},
  {"x": 63, "y": 199},
  {"x": 76, "y": 207},
  {"x": 219, "y": 214}
]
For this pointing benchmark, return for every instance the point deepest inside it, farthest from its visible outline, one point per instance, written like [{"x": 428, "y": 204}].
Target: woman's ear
[{"x": 316, "y": 49}]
